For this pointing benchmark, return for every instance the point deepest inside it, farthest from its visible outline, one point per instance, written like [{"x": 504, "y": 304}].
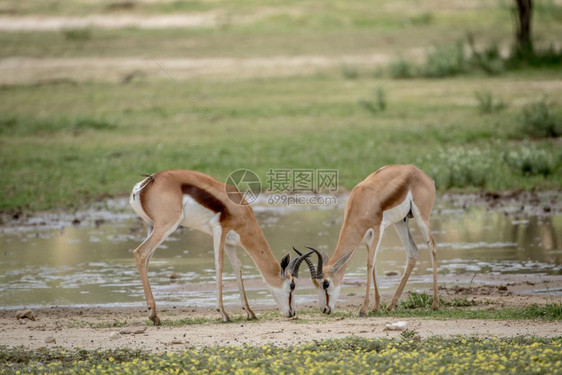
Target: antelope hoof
[
  {"x": 390, "y": 307},
  {"x": 251, "y": 315},
  {"x": 362, "y": 314},
  {"x": 225, "y": 317},
  {"x": 155, "y": 319},
  {"x": 435, "y": 306}
]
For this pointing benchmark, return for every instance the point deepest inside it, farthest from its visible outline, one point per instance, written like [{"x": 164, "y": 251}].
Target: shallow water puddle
[{"x": 48, "y": 261}]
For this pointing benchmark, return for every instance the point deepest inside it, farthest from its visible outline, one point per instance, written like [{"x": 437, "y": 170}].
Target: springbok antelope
[
  {"x": 168, "y": 199},
  {"x": 391, "y": 195}
]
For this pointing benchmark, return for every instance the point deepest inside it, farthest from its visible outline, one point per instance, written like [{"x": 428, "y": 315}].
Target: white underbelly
[
  {"x": 197, "y": 216},
  {"x": 397, "y": 213}
]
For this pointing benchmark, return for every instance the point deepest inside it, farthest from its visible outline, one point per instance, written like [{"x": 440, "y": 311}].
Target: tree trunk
[{"x": 524, "y": 17}]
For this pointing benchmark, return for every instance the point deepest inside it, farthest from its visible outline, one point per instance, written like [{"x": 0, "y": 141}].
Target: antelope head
[
  {"x": 326, "y": 281},
  {"x": 284, "y": 296}
]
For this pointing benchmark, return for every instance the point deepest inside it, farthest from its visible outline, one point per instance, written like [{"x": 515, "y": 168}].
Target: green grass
[
  {"x": 89, "y": 140},
  {"x": 488, "y": 104},
  {"x": 521, "y": 355},
  {"x": 414, "y": 305},
  {"x": 459, "y": 309},
  {"x": 540, "y": 120},
  {"x": 65, "y": 142}
]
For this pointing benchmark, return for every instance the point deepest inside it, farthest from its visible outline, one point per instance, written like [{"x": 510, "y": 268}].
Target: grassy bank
[
  {"x": 63, "y": 146},
  {"x": 73, "y": 130},
  {"x": 416, "y": 305},
  {"x": 347, "y": 356}
]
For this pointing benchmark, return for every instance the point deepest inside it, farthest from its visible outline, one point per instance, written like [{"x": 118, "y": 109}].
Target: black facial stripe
[{"x": 290, "y": 299}]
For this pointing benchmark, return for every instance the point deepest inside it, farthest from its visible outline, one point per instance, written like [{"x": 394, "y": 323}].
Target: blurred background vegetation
[{"x": 87, "y": 102}]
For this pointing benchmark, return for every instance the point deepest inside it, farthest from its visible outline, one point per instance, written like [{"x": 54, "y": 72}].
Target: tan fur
[
  {"x": 162, "y": 202},
  {"x": 381, "y": 191}
]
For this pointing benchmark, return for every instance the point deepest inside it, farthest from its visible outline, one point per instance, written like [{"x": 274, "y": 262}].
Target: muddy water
[{"x": 47, "y": 260}]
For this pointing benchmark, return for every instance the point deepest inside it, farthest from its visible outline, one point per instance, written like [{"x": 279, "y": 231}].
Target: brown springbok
[
  {"x": 169, "y": 199},
  {"x": 391, "y": 195}
]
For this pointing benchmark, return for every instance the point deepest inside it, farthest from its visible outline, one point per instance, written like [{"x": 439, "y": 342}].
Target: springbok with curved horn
[
  {"x": 173, "y": 198},
  {"x": 391, "y": 195}
]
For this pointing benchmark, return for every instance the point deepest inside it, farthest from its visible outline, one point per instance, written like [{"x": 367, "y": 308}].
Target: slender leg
[
  {"x": 143, "y": 253},
  {"x": 218, "y": 241},
  {"x": 411, "y": 254},
  {"x": 377, "y": 295},
  {"x": 370, "y": 271},
  {"x": 231, "y": 252},
  {"x": 426, "y": 232}
]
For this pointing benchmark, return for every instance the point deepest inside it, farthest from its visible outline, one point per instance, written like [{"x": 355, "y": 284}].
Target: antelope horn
[
  {"x": 291, "y": 265},
  {"x": 319, "y": 271},
  {"x": 309, "y": 264},
  {"x": 295, "y": 266}
]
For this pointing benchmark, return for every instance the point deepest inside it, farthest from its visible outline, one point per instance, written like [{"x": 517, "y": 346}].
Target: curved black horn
[
  {"x": 292, "y": 265},
  {"x": 308, "y": 263},
  {"x": 297, "y": 264},
  {"x": 319, "y": 270}
]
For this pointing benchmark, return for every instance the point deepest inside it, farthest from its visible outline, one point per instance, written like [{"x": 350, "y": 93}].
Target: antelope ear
[
  {"x": 339, "y": 264},
  {"x": 284, "y": 263},
  {"x": 325, "y": 257}
]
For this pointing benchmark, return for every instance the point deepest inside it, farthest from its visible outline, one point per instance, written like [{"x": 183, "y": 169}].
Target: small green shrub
[
  {"x": 537, "y": 120},
  {"x": 376, "y": 103},
  {"x": 416, "y": 300},
  {"x": 401, "y": 68},
  {"x": 422, "y": 19},
  {"x": 409, "y": 334},
  {"x": 445, "y": 61},
  {"x": 460, "y": 167},
  {"x": 451, "y": 60},
  {"x": 349, "y": 71},
  {"x": 530, "y": 161},
  {"x": 487, "y": 103},
  {"x": 488, "y": 59},
  {"x": 77, "y": 35},
  {"x": 549, "y": 311},
  {"x": 550, "y": 56},
  {"x": 457, "y": 302},
  {"x": 90, "y": 123},
  {"x": 7, "y": 124}
]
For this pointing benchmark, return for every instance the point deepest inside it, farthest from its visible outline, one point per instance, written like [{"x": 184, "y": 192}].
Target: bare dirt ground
[
  {"x": 25, "y": 70},
  {"x": 92, "y": 327},
  {"x": 54, "y": 23}
]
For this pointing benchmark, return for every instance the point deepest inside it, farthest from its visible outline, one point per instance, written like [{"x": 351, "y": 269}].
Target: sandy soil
[
  {"x": 74, "y": 327},
  {"x": 20, "y": 70},
  {"x": 53, "y": 23},
  {"x": 141, "y": 21}
]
